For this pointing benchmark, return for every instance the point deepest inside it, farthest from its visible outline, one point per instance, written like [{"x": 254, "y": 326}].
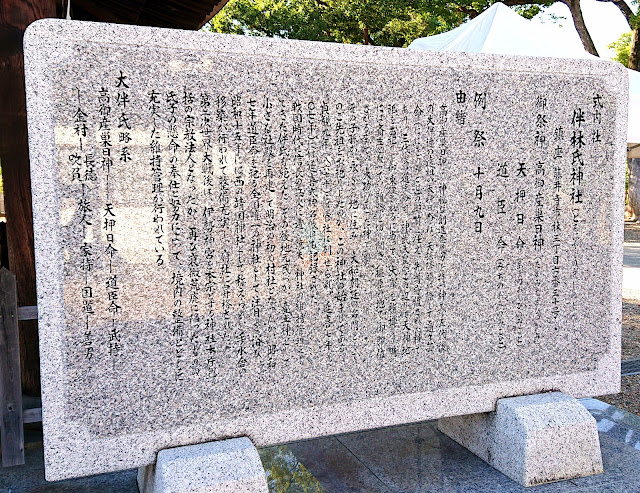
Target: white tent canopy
[{"x": 500, "y": 30}]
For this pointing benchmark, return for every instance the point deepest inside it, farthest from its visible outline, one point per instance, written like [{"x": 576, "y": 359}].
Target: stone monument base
[
  {"x": 226, "y": 466},
  {"x": 532, "y": 439}
]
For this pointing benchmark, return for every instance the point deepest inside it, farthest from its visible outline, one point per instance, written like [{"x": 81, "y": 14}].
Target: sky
[{"x": 604, "y": 21}]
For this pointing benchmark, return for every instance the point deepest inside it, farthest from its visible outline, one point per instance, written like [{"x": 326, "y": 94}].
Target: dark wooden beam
[
  {"x": 15, "y": 16},
  {"x": 105, "y": 13},
  {"x": 32, "y": 415},
  {"x": 11, "y": 431},
  {"x": 28, "y": 313},
  {"x": 176, "y": 14},
  {"x": 216, "y": 9}
]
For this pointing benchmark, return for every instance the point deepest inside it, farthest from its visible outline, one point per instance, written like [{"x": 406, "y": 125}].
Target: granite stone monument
[{"x": 242, "y": 237}]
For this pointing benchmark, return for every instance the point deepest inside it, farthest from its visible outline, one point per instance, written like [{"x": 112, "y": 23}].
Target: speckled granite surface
[
  {"x": 415, "y": 458},
  {"x": 225, "y": 466},
  {"x": 532, "y": 439},
  {"x": 284, "y": 240}
]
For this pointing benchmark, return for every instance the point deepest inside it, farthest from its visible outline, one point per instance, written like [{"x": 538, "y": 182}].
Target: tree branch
[
  {"x": 367, "y": 37},
  {"x": 512, "y": 3},
  {"x": 581, "y": 27},
  {"x": 634, "y": 50},
  {"x": 624, "y": 8},
  {"x": 509, "y": 3},
  {"x": 472, "y": 13}
]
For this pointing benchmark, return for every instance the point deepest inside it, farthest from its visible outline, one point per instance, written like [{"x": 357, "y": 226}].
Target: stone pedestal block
[
  {"x": 532, "y": 439},
  {"x": 227, "y": 466}
]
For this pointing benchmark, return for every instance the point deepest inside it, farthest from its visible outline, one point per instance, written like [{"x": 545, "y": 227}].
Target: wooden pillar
[
  {"x": 11, "y": 431},
  {"x": 15, "y": 16}
]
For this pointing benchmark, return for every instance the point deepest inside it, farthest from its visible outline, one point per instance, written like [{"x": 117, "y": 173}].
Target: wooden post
[
  {"x": 11, "y": 432},
  {"x": 15, "y": 16}
]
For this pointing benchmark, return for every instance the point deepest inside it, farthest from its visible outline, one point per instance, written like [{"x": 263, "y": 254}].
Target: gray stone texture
[
  {"x": 284, "y": 240},
  {"x": 226, "y": 466},
  {"x": 400, "y": 459},
  {"x": 533, "y": 439}
]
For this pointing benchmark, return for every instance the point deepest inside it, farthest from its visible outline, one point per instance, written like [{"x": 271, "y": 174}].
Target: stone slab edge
[{"x": 50, "y": 42}]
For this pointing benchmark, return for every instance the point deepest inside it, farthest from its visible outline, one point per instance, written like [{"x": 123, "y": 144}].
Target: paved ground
[
  {"x": 629, "y": 398},
  {"x": 401, "y": 459}
]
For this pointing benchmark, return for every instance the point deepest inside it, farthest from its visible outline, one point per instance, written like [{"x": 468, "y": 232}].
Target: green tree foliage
[
  {"x": 633, "y": 19},
  {"x": 379, "y": 22},
  {"x": 388, "y": 22},
  {"x": 621, "y": 47},
  {"x": 527, "y": 9}
]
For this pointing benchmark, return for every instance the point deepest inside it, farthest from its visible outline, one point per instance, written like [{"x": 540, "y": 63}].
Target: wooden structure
[
  {"x": 176, "y": 14},
  {"x": 21, "y": 346},
  {"x": 12, "y": 415}
]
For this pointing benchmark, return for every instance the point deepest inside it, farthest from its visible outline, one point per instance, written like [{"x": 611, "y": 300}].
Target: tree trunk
[
  {"x": 578, "y": 22},
  {"x": 367, "y": 38},
  {"x": 15, "y": 16},
  {"x": 634, "y": 50},
  {"x": 633, "y": 192}
]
